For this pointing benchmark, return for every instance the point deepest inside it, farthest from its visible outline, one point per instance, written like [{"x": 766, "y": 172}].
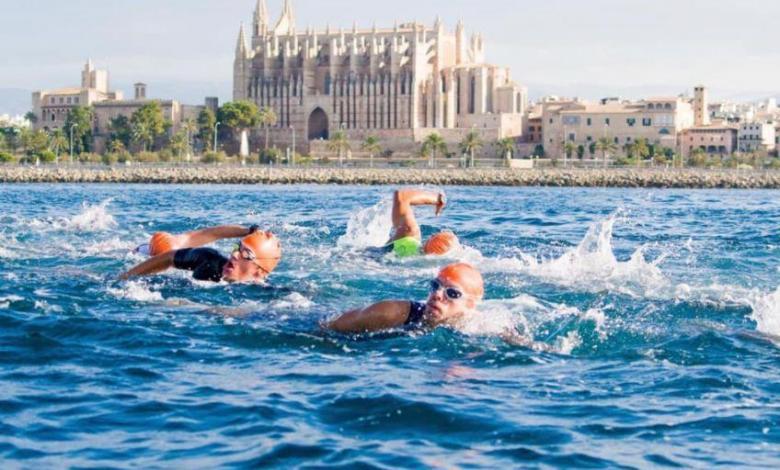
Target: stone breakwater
[{"x": 627, "y": 178}]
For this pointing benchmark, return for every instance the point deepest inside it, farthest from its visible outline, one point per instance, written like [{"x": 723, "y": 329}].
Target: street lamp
[
  {"x": 292, "y": 156},
  {"x": 216, "y": 128},
  {"x": 71, "y": 142}
]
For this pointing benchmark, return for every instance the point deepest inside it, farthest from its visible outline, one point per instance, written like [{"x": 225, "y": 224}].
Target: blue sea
[{"x": 659, "y": 313}]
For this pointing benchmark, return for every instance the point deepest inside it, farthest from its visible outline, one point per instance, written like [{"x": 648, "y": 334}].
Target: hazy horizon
[{"x": 183, "y": 49}]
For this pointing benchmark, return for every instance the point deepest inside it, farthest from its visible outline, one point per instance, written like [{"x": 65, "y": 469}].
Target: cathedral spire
[
  {"x": 241, "y": 43},
  {"x": 261, "y": 18},
  {"x": 286, "y": 23}
]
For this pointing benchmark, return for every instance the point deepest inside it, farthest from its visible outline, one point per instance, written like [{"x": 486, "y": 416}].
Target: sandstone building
[
  {"x": 398, "y": 83},
  {"x": 52, "y": 106}
]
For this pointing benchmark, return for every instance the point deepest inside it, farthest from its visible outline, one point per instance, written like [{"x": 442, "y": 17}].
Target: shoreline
[{"x": 613, "y": 177}]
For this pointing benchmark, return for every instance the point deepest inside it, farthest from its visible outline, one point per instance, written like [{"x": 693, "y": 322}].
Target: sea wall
[{"x": 631, "y": 178}]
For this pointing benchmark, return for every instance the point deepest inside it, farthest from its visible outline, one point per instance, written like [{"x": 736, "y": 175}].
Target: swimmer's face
[
  {"x": 447, "y": 302},
  {"x": 253, "y": 265}
]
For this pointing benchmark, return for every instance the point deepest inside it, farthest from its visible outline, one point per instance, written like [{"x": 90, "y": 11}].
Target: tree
[
  {"x": 32, "y": 117},
  {"x": 79, "y": 119},
  {"x": 580, "y": 152},
  {"x": 206, "y": 122},
  {"x": 372, "y": 146},
  {"x": 338, "y": 142},
  {"x": 592, "y": 150},
  {"x": 606, "y": 146},
  {"x": 568, "y": 148},
  {"x": 121, "y": 130},
  {"x": 470, "y": 144},
  {"x": 34, "y": 142},
  {"x": 147, "y": 124},
  {"x": 506, "y": 147},
  {"x": 641, "y": 150},
  {"x": 189, "y": 127},
  {"x": 57, "y": 142},
  {"x": 432, "y": 144},
  {"x": 268, "y": 118},
  {"x": 698, "y": 157},
  {"x": 178, "y": 144}
]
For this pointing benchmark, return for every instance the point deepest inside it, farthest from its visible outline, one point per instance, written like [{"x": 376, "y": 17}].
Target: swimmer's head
[
  {"x": 161, "y": 242},
  {"x": 457, "y": 289},
  {"x": 440, "y": 243},
  {"x": 254, "y": 258}
]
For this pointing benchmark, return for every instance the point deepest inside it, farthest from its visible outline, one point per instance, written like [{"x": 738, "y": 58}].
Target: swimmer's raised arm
[
  {"x": 380, "y": 316},
  {"x": 404, "y": 222},
  {"x": 153, "y": 265},
  {"x": 209, "y": 235}
]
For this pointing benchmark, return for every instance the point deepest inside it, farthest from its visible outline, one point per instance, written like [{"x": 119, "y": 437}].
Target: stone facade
[
  {"x": 659, "y": 120},
  {"x": 397, "y": 83},
  {"x": 52, "y": 106},
  {"x": 715, "y": 139},
  {"x": 756, "y": 137}
]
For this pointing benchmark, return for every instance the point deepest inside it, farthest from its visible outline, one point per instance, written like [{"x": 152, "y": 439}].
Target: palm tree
[
  {"x": 372, "y": 146},
  {"x": 32, "y": 117},
  {"x": 606, "y": 145},
  {"x": 431, "y": 145},
  {"x": 506, "y": 147},
  {"x": 470, "y": 144},
  {"x": 268, "y": 118},
  {"x": 568, "y": 149},
  {"x": 143, "y": 134},
  {"x": 641, "y": 150},
  {"x": 190, "y": 127},
  {"x": 58, "y": 141},
  {"x": 338, "y": 142}
]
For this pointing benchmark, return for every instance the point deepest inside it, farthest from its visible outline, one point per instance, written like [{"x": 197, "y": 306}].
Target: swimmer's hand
[{"x": 441, "y": 203}]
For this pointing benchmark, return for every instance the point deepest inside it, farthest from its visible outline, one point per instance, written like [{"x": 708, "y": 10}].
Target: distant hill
[{"x": 15, "y": 101}]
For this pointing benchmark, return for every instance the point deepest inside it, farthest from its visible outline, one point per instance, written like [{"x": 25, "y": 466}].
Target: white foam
[
  {"x": 766, "y": 313},
  {"x": 592, "y": 266},
  {"x": 108, "y": 246},
  {"x": 294, "y": 301},
  {"x": 136, "y": 291},
  {"x": 369, "y": 227},
  {"x": 91, "y": 219}
]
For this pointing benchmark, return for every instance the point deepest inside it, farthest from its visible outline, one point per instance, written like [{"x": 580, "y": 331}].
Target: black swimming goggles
[{"x": 451, "y": 292}]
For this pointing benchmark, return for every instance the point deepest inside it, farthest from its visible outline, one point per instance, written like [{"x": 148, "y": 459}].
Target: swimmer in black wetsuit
[
  {"x": 253, "y": 259},
  {"x": 456, "y": 290}
]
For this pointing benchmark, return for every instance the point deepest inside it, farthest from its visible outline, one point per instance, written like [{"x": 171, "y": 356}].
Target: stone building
[
  {"x": 52, "y": 106},
  {"x": 756, "y": 137},
  {"x": 659, "y": 120},
  {"x": 718, "y": 139},
  {"x": 399, "y": 83}
]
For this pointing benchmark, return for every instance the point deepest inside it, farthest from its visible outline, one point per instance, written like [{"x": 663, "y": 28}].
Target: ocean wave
[{"x": 137, "y": 291}]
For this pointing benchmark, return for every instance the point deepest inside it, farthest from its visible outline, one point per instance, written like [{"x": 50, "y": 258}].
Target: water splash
[
  {"x": 91, "y": 219},
  {"x": 369, "y": 227},
  {"x": 766, "y": 313},
  {"x": 592, "y": 266},
  {"x": 136, "y": 291}
]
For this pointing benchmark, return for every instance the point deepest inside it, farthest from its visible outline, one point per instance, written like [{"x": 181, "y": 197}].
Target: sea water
[{"x": 658, "y": 310}]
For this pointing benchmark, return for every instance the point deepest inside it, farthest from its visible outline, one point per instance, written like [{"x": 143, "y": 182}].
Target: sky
[{"x": 183, "y": 49}]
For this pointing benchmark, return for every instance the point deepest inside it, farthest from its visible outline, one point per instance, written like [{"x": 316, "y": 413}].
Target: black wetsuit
[
  {"x": 416, "y": 314},
  {"x": 206, "y": 264}
]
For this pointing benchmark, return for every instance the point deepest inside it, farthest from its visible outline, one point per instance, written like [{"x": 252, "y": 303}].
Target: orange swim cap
[
  {"x": 465, "y": 276},
  {"x": 440, "y": 243},
  {"x": 161, "y": 242},
  {"x": 267, "y": 249}
]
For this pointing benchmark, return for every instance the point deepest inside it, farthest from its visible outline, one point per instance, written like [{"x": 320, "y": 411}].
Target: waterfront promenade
[{"x": 613, "y": 177}]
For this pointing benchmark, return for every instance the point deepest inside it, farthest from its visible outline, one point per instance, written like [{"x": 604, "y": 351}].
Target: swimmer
[
  {"x": 252, "y": 260},
  {"x": 406, "y": 239},
  {"x": 454, "y": 295}
]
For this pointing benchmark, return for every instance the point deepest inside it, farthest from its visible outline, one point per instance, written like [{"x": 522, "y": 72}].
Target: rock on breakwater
[{"x": 618, "y": 177}]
